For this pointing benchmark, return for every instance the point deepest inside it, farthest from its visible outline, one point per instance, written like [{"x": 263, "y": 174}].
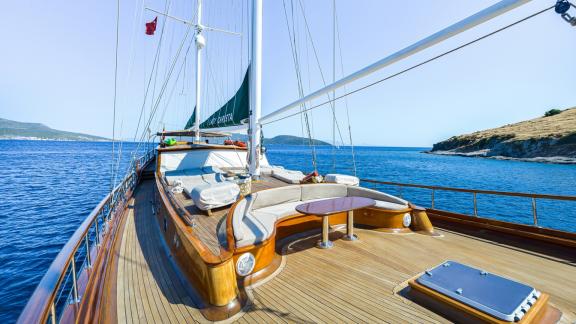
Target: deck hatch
[{"x": 500, "y": 297}]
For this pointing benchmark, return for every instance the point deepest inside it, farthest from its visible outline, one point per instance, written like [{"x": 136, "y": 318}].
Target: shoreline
[{"x": 482, "y": 154}]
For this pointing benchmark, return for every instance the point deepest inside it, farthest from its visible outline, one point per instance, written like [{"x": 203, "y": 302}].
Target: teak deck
[{"x": 353, "y": 282}]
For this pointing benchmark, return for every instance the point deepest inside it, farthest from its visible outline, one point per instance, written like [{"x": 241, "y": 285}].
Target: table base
[
  {"x": 325, "y": 245},
  {"x": 352, "y": 237}
]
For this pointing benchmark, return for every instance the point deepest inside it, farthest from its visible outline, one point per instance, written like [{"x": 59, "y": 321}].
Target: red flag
[{"x": 151, "y": 26}]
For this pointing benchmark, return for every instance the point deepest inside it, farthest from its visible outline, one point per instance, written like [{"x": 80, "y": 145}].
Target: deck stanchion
[
  {"x": 475, "y": 205},
  {"x": 88, "y": 258},
  {"x": 97, "y": 233},
  {"x": 53, "y": 313},
  {"x": 433, "y": 198},
  {"x": 74, "y": 283},
  {"x": 534, "y": 212}
]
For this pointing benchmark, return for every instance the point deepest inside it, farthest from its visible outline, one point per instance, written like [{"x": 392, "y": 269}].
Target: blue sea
[{"x": 48, "y": 188}]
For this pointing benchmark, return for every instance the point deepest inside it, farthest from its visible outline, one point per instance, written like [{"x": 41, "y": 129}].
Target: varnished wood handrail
[
  {"x": 477, "y": 191},
  {"x": 474, "y": 192},
  {"x": 42, "y": 302}
]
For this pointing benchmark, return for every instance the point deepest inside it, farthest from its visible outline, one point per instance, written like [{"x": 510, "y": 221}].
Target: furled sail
[{"x": 235, "y": 112}]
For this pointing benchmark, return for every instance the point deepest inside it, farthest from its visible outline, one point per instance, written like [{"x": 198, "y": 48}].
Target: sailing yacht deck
[
  {"x": 207, "y": 226},
  {"x": 353, "y": 282}
]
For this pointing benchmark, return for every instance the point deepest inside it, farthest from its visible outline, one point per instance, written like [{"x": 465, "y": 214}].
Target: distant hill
[
  {"x": 292, "y": 140},
  {"x": 283, "y": 140},
  {"x": 10, "y": 129},
  {"x": 544, "y": 139}
]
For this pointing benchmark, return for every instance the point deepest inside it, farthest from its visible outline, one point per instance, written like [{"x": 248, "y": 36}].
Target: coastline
[
  {"x": 483, "y": 154},
  {"x": 26, "y": 138}
]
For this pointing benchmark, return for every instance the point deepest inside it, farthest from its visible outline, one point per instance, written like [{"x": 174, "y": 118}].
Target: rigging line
[
  {"x": 174, "y": 86},
  {"x": 320, "y": 68},
  {"x": 166, "y": 81},
  {"x": 113, "y": 180},
  {"x": 415, "y": 66},
  {"x": 334, "y": 80},
  {"x": 119, "y": 149},
  {"x": 294, "y": 61},
  {"x": 153, "y": 112},
  {"x": 161, "y": 50},
  {"x": 169, "y": 74},
  {"x": 154, "y": 66},
  {"x": 293, "y": 46},
  {"x": 156, "y": 105},
  {"x": 345, "y": 98},
  {"x": 307, "y": 119}
]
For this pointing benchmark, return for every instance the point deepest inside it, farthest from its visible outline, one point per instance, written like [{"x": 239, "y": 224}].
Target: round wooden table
[{"x": 327, "y": 207}]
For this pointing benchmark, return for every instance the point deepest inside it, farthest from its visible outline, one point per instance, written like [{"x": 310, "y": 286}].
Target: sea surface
[{"x": 48, "y": 188}]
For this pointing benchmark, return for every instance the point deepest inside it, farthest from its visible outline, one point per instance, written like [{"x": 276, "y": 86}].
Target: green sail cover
[{"x": 235, "y": 112}]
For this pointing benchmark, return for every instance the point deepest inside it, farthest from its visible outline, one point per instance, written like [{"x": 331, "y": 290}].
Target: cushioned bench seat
[
  {"x": 179, "y": 175},
  {"x": 205, "y": 187},
  {"x": 255, "y": 216},
  {"x": 213, "y": 195},
  {"x": 288, "y": 176}
]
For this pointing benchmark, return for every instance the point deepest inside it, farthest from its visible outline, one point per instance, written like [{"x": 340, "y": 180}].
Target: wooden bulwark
[{"x": 362, "y": 281}]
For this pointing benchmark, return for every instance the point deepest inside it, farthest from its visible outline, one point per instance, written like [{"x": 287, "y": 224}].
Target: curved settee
[{"x": 255, "y": 216}]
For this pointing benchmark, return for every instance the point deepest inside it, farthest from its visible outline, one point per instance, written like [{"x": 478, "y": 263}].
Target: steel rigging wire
[{"x": 113, "y": 176}]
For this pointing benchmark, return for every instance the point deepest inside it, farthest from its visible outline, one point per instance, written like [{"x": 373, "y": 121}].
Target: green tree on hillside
[{"x": 552, "y": 112}]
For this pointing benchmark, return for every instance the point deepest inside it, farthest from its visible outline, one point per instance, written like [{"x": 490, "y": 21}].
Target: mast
[
  {"x": 200, "y": 42},
  {"x": 255, "y": 89}
]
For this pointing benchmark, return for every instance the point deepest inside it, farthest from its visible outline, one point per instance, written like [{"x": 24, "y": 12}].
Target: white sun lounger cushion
[
  {"x": 214, "y": 195},
  {"x": 288, "y": 176},
  {"x": 342, "y": 179},
  {"x": 268, "y": 169}
]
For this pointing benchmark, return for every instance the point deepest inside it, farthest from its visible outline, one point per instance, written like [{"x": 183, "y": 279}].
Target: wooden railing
[
  {"x": 60, "y": 291},
  {"x": 475, "y": 192}
]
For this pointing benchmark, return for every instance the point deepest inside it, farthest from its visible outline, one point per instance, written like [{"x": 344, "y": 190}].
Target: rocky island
[{"x": 551, "y": 138}]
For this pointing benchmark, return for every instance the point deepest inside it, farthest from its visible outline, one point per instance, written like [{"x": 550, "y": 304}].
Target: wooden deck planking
[
  {"x": 149, "y": 290},
  {"x": 353, "y": 282}
]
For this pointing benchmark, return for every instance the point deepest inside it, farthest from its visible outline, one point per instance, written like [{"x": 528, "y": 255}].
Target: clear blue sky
[{"x": 57, "y": 66}]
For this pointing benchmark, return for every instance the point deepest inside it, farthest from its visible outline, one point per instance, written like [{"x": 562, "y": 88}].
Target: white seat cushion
[
  {"x": 323, "y": 190},
  {"x": 376, "y": 195},
  {"x": 213, "y": 195},
  {"x": 269, "y": 169},
  {"x": 255, "y": 229},
  {"x": 288, "y": 176},
  {"x": 276, "y": 196},
  {"x": 389, "y": 206},
  {"x": 173, "y": 176},
  {"x": 277, "y": 211},
  {"x": 342, "y": 179}
]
